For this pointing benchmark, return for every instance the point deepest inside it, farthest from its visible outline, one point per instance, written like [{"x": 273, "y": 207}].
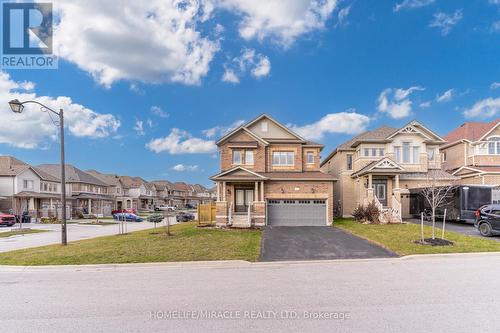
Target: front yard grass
[
  {"x": 400, "y": 238},
  {"x": 20, "y": 232},
  {"x": 189, "y": 243}
]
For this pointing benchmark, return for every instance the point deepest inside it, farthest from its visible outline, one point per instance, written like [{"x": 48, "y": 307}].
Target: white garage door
[{"x": 297, "y": 212}]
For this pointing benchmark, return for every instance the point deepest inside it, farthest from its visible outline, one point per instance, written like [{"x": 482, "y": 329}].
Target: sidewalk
[{"x": 75, "y": 232}]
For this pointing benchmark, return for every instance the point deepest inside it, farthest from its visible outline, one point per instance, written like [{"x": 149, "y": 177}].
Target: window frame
[
  {"x": 234, "y": 162},
  {"x": 247, "y": 153},
  {"x": 349, "y": 161},
  {"x": 285, "y": 155},
  {"x": 311, "y": 155}
]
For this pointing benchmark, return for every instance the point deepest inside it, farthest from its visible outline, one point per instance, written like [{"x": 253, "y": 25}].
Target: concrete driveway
[{"x": 316, "y": 243}]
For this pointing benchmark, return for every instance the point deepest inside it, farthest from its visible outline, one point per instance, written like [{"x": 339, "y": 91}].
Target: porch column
[
  {"x": 218, "y": 192},
  {"x": 256, "y": 192},
  {"x": 89, "y": 205},
  {"x": 397, "y": 189},
  {"x": 224, "y": 191},
  {"x": 262, "y": 191},
  {"x": 396, "y": 185},
  {"x": 370, "y": 181},
  {"x": 370, "y": 191}
]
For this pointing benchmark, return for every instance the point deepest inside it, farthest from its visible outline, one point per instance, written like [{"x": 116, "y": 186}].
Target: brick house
[
  {"x": 383, "y": 165},
  {"x": 269, "y": 175},
  {"x": 473, "y": 153}
]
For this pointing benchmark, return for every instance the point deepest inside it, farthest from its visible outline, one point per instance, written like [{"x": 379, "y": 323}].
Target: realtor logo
[{"x": 27, "y": 36}]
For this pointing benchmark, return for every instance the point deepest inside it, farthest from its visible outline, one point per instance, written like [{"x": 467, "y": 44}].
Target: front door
[
  {"x": 243, "y": 198},
  {"x": 380, "y": 187}
]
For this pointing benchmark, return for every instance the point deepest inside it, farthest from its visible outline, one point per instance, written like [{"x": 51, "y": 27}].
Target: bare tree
[{"x": 436, "y": 196}]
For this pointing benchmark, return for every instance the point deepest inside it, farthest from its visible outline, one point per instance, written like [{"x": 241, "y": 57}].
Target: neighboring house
[
  {"x": 473, "y": 153},
  {"x": 271, "y": 175},
  {"x": 132, "y": 188},
  {"x": 24, "y": 188},
  {"x": 181, "y": 194},
  {"x": 88, "y": 194},
  {"x": 115, "y": 189},
  {"x": 202, "y": 194},
  {"x": 383, "y": 165},
  {"x": 163, "y": 188}
]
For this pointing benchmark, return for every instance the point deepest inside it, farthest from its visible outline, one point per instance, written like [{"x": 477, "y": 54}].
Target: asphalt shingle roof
[{"x": 73, "y": 174}]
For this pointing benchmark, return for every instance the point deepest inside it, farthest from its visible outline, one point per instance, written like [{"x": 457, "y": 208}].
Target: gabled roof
[
  {"x": 384, "y": 165},
  {"x": 415, "y": 126},
  {"x": 479, "y": 170},
  {"x": 73, "y": 174},
  {"x": 11, "y": 166},
  {"x": 245, "y": 127},
  {"x": 131, "y": 182},
  {"x": 238, "y": 173},
  {"x": 181, "y": 186},
  {"x": 162, "y": 185},
  {"x": 437, "y": 174},
  {"x": 472, "y": 131},
  {"x": 109, "y": 179}
]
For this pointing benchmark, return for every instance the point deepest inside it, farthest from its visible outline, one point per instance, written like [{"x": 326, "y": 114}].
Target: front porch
[
  {"x": 240, "y": 203},
  {"x": 379, "y": 183}
]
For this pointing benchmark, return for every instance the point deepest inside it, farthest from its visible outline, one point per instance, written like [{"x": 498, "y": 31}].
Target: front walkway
[
  {"x": 316, "y": 243},
  {"x": 75, "y": 232}
]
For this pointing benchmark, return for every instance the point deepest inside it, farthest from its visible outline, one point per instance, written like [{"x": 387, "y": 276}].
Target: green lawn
[
  {"x": 20, "y": 232},
  {"x": 189, "y": 243},
  {"x": 400, "y": 238}
]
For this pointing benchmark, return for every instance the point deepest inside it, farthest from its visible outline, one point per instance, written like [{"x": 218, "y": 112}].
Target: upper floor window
[
  {"x": 283, "y": 158},
  {"x": 28, "y": 184},
  {"x": 373, "y": 152},
  {"x": 431, "y": 153},
  {"x": 249, "y": 157},
  {"x": 494, "y": 146},
  {"x": 349, "y": 161},
  {"x": 237, "y": 157},
  {"x": 310, "y": 157},
  {"x": 407, "y": 153},
  {"x": 264, "y": 126}
]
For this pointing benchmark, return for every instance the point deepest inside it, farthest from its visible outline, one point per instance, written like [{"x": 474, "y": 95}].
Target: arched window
[{"x": 494, "y": 145}]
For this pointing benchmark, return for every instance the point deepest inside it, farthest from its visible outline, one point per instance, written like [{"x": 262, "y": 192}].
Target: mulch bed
[{"x": 434, "y": 242}]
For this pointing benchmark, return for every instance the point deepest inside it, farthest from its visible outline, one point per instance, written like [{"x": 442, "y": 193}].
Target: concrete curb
[{"x": 237, "y": 263}]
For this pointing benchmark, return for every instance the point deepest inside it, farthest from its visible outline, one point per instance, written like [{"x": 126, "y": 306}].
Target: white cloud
[
  {"x": 446, "y": 22},
  {"x": 181, "y": 142},
  {"x": 146, "y": 41},
  {"x": 158, "y": 111},
  {"x": 396, "y": 102},
  {"x": 495, "y": 85},
  {"x": 446, "y": 96},
  {"x": 230, "y": 76},
  {"x": 342, "y": 16},
  {"x": 258, "y": 64},
  {"x": 281, "y": 21},
  {"x": 495, "y": 2},
  {"x": 222, "y": 130},
  {"x": 34, "y": 129},
  {"x": 425, "y": 105},
  {"x": 139, "y": 127},
  {"x": 486, "y": 108},
  {"x": 348, "y": 122},
  {"x": 183, "y": 168},
  {"x": 495, "y": 26},
  {"x": 412, "y": 4}
]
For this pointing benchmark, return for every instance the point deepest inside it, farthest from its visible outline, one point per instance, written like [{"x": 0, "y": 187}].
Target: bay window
[{"x": 494, "y": 146}]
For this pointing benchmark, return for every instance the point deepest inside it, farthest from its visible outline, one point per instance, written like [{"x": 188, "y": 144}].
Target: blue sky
[{"x": 146, "y": 97}]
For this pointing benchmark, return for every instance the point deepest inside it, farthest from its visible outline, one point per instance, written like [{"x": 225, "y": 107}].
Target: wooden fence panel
[{"x": 206, "y": 213}]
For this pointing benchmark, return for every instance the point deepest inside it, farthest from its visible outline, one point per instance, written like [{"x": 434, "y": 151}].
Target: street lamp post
[{"x": 18, "y": 107}]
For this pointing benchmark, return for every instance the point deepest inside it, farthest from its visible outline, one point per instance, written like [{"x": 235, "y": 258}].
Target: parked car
[
  {"x": 128, "y": 210},
  {"x": 155, "y": 218},
  {"x": 129, "y": 217},
  {"x": 190, "y": 206},
  {"x": 165, "y": 208},
  {"x": 488, "y": 220},
  {"x": 184, "y": 217},
  {"x": 7, "y": 219}
]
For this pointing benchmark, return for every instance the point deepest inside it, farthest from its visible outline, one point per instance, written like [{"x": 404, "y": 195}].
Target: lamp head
[{"x": 16, "y": 106}]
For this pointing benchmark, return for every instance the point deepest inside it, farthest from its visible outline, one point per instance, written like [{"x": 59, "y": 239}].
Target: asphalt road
[
  {"x": 316, "y": 243},
  {"x": 456, "y": 293}
]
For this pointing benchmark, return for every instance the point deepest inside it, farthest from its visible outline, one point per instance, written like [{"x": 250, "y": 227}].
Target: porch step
[{"x": 240, "y": 221}]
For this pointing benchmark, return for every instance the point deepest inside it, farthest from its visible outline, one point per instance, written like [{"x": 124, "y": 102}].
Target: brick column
[
  {"x": 221, "y": 213},
  {"x": 259, "y": 214}
]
